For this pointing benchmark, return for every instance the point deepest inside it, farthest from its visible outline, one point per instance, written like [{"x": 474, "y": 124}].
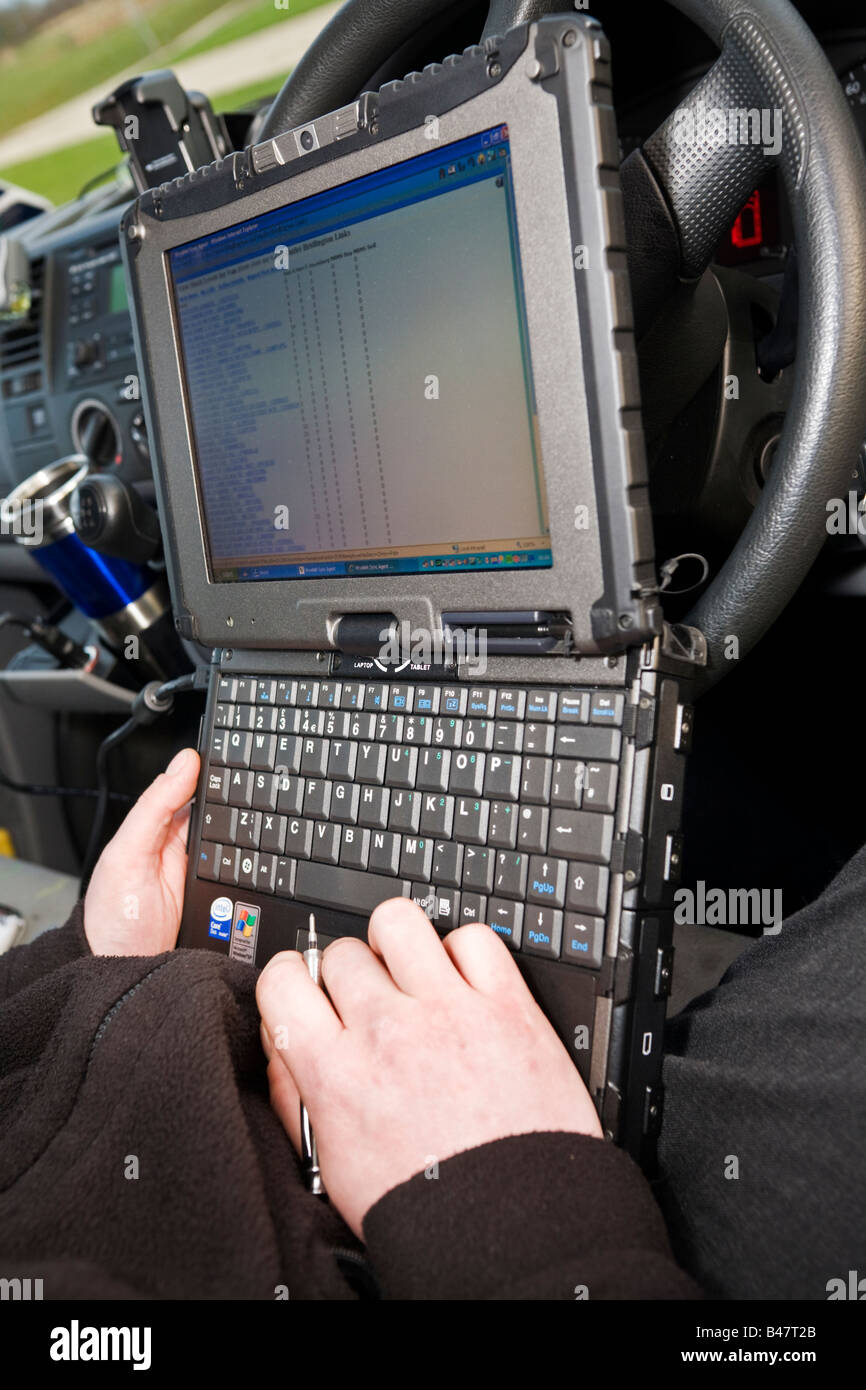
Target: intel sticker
[{"x": 221, "y": 919}]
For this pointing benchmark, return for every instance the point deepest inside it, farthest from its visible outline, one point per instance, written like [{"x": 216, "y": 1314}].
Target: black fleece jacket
[{"x": 140, "y": 1158}]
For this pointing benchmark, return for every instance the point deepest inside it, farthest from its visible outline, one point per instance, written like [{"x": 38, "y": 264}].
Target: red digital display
[{"x": 748, "y": 228}]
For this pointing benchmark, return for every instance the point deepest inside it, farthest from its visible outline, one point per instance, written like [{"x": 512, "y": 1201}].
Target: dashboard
[{"x": 68, "y": 375}]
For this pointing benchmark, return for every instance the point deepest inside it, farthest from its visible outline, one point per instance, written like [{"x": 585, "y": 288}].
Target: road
[{"x": 269, "y": 53}]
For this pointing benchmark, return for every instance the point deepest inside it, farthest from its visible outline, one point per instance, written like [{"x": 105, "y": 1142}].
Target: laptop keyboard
[{"x": 483, "y": 804}]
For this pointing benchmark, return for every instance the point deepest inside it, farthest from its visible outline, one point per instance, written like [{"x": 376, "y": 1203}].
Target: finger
[
  {"x": 146, "y": 828},
  {"x": 285, "y": 1098},
  {"x": 484, "y": 961},
  {"x": 297, "y": 1014},
  {"x": 406, "y": 940},
  {"x": 357, "y": 981}
]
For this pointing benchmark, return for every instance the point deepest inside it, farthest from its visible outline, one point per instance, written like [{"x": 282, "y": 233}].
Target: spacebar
[{"x": 347, "y": 890}]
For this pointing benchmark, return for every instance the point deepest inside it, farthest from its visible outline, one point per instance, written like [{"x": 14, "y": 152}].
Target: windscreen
[{"x": 357, "y": 377}]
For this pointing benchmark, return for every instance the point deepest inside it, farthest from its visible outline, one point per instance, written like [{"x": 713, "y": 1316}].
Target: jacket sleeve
[
  {"x": 536, "y": 1216},
  {"x": 23, "y": 965}
]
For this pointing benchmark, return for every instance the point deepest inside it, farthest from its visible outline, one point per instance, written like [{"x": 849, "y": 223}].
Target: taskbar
[{"x": 407, "y": 564}]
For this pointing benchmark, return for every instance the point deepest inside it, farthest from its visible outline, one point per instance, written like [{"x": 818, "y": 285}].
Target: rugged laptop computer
[{"x": 392, "y": 397}]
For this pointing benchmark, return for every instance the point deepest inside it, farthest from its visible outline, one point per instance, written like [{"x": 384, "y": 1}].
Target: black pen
[{"x": 309, "y": 1149}]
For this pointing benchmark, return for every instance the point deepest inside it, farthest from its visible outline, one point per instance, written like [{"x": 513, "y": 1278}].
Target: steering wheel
[{"x": 681, "y": 197}]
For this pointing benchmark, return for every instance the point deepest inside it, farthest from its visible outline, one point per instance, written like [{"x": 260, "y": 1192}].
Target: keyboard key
[
  {"x": 264, "y": 751},
  {"x": 478, "y": 869},
  {"x": 284, "y": 878},
  {"x": 370, "y": 766},
  {"x": 223, "y": 715},
  {"x": 470, "y": 820},
  {"x": 227, "y": 689},
  {"x": 543, "y": 933},
  {"x": 314, "y": 757},
  {"x": 426, "y": 699},
  {"x": 376, "y": 698},
  {"x": 473, "y": 908},
  {"x": 229, "y": 860},
  {"x": 289, "y": 751},
  {"x": 424, "y": 897},
  {"x": 290, "y": 798},
  {"x": 299, "y": 837},
  {"x": 241, "y": 788},
  {"x": 447, "y": 911},
  {"x": 266, "y": 789},
  {"x": 587, "y": 744},
  {"x": 265, "y": 720},
  {"x": 347, "y": 890},
  {"x": 401, "y": 767},
  {"x": 317, "y": 798},
  {"x": 508, "y": 738},
  {"x": 273, "y": 839},
  {"x": 437, "y": 816},
  {"x": 337, "y": 724},
  {"x": 355, "y": 851},
  {"x": 535, "y": 780},
  {"x": 566, "y": 788},
  {"x": 286, "y": 691},
  {"x": 208, "y": 862},
  {"x": 607, "y": 709},
  {"x": 573, "y": 707},
  {"x": 389, "y": 728},
  {"x": 482, "y": 701},
  {"x": 218, "y": 751},
  {"x": 400, "y": 699},
  {"x": 583, "y": 835},
  {"x": 311, "y": 723},
  {"x": 506, "y": 919},
  {"x": 541, "y": 706},
  {"x": 583, "y": 940},
  {"x": 454, "y": 700},
  {"x": 245, "y": 691},
  {"x": 248, "y": 868},
  {"x": 587, "y": 888},
  {"x": 447, "y": 733},
  {"x": 511, "y": 874},
  {"x": 361, "y": 726},
  {"x": 266, "y": 873},
  {"x": 434, "y": 767},
  {"x": 447, "y": 863},
  {"x": 467, "y": 773},
  {"x": 326, "y": 843},
  {"x": 219, "y": 823},
  {"x": 599, "y": 793},
  {"x": 539, "y": 739},
  {"x": 548, "y": 879},
  {"x": 373, "y": 807},
  {"x": 353, "y": 695},
  {"x": 345, "y": 797},
  {"x": 307, "y": 694},
  {"x": 502, "y": 777},
  {"x": 342, "y": 757},
  {"x": 217, "y": 785},
  {"x": 532, "y": 828},
  {"x": 330, "y": 693},
  {"x": 511, "y": 704},
  {"x": 405, "y": 812},
  {"x": 478, "y": 734},
  {"x": 266, "y": 692},
  {"x": 416, "y": 859},
  {"x": 249, "y": 829},
  {"x": 502, "y": 831},
  {"x": 384, "y": 852},
  {"x": 417, "y": 729}
]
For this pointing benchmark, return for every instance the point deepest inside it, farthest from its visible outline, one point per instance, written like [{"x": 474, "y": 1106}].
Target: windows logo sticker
[{"x": 245, "y": 930}]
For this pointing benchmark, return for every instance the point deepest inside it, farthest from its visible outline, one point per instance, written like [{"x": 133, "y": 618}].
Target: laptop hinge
[{"x": 512, "y": 633}]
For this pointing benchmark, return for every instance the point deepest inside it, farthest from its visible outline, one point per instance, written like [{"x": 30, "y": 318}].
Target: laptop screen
[{"x": 358, "y": 381}]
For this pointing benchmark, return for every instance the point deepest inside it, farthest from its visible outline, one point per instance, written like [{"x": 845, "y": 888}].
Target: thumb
[{"x": 145, "y": 828}]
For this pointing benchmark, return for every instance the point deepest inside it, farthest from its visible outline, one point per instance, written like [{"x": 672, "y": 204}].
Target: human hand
[
  {"x": 134, "y": 900},
  {"x": 425, "y": 1048}
]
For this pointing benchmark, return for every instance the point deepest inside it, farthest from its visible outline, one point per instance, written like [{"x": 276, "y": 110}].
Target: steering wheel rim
[{"x": 768, "y": 51}]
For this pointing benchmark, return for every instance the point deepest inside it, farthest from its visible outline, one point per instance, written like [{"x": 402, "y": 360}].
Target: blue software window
[{"x": 358, "y": 377}]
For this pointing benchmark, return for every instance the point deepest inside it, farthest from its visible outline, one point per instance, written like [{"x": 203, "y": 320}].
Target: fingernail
[{"x": 177, "y": 763}]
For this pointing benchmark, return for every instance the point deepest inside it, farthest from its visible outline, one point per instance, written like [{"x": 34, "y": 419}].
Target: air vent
[{"x": 21, "y": 343}]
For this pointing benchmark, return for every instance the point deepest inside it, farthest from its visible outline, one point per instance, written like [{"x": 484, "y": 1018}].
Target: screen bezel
[{"x": 591, "y": 449}]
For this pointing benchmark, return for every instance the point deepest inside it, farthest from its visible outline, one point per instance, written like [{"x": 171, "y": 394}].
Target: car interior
[{"x": 749, "y": 292}]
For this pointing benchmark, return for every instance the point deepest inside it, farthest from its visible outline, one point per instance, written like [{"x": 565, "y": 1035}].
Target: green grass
[
  {"x": 62, "y": 174},
  {"x": 260, "y": 15},
  {"x": 51, "y": 69}
]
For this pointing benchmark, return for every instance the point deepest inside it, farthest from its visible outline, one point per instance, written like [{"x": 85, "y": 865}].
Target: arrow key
[{"x": 548, "y": 879}]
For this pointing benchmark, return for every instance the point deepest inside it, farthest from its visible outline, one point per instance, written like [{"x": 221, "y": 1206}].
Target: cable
[
  {"x": 37, "y": 789},
  {"x": 153, "y": 700}
]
